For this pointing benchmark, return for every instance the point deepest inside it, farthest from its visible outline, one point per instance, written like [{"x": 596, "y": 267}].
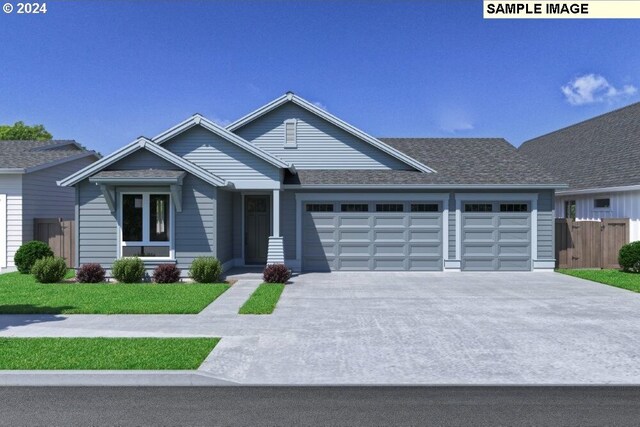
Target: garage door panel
[
  {"x": 480, "y": 264},
  {"x": 361, "y": 249},
  {"x": 425, "y": 236},
  {"x": 389, "y": 236},
  {"x": 353, "y": 263},
  {"x": 480, "y": 250},
  {"x": 514, "y": 236},
  {"x": 323, "y": 221},
  {"x": 389, "y": 221},
  {"x": 319, "y": 263},
  {"x": 425, "y": 222},
  {"x": 424, "y": 264},
  {"x": 514, "y": 250},
  {"x": 479, "y": 236},
  {"x": 425, "y": 249},
  {"x": 514, "y": 264},
  {"x": 394, "y": 249},
  {"x": 475, "y": 220},
  {"x": 351, "y": 220},
  {"x": 389, "y": 264},
  {"x": 354, "y": 235},
  {"x": 513, "y": 221}
]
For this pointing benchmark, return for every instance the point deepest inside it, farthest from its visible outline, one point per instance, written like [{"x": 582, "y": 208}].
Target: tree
[{"x": 21, "y": 131}]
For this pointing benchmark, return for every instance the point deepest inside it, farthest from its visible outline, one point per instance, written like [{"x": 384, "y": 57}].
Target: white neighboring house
[
  {"x": 28, "y": 190},
  {"x": 600, "y": 160}
]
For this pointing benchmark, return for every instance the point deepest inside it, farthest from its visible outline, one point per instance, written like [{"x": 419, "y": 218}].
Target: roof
[
  {"x": 458, "y": 161},
  {"x": 291, "y": 97},
  {"x": 26, "y": 156},
  {"x": 601, "y": 152}
]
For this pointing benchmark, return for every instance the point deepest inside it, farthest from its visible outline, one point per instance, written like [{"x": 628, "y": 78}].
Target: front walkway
[{"x": 400, "y": 328}]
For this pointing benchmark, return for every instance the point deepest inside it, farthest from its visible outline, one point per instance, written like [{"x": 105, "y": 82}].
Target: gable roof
[
  {"x": 291, "y": 97},
  {"x": 199, "y": 120},
  {"x": 28, "y": 156},
  {"x": 138, "y": 144},
  {"x": 601, "y": 152},
  {"x": 464, "y": 162}
]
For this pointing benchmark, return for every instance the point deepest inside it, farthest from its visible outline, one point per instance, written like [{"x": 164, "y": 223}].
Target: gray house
[
  {"x": 292, "y": 183},
  {"x": 28, "y": 174}
]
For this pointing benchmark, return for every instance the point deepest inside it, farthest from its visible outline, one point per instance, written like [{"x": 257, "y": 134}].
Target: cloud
[
  {"x": 320, "y": 105},
  {"x": 221, "y": 122},
  {"x": 594, "y": 88},
  {"x": 455, "y": 120}
]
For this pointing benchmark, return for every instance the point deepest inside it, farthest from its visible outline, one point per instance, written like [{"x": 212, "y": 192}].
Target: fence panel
[
  {"x": 59, "y": 234},
  {"x": 590, "y": 244}
]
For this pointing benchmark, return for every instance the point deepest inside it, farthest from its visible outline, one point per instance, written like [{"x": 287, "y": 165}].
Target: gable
[
  {"x": 141, "y": 159},
  {"x": 219, "y": 156},
  {"x": 320, "y": 144}
]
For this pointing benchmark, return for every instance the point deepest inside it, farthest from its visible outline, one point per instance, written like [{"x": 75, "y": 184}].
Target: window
[
  {"x": 320, "y": 207},
  {"x": 478, "y": 207},
  {"x": 146, "y": 225},
  {"x": 362, "y": 207},
  {"x": 290, "y": 133},
  {"x": 570, "y": 209},
  {"x": 602, "y": 203},
  {"x": 425, "y": 207},
  {"x": 390, "y": 207},
  {"x": 514, "y": 207}
]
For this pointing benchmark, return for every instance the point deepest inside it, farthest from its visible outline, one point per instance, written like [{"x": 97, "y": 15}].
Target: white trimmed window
[
  {"x": 146, "y": 225},
  {"x": 290, "y": 133}
]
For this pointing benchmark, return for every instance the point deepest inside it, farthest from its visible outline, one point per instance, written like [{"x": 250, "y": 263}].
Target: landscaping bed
[
  {"x": 263, "y": 300},
  {"x": 104, "y": 353},
  {"x": 21, "y": 294},
  {"x": 617, "y": 278}
]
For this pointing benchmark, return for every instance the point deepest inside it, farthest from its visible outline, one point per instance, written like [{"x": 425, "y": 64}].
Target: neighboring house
[
  {"x": 292, "y": 183},
  {"x": 28, "y": 174},
  {"x": 600, "y": 161}
]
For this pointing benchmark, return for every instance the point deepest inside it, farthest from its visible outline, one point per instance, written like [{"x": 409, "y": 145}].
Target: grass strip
[
  {"x": 617, "y": 278},
  {"x": 263, "y": 300}
]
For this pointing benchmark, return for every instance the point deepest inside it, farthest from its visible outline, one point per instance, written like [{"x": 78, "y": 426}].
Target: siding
[
  {"x": 237, "y": 225},
  {"x": 288, "y": 223},
  {"x": 98, "y": 239},
  {"x": 546, "y": 225},
  {"x": 11, "y": 185},
  {"x": 142, "y": 159},
  {"x": 320, "y": 145},
  {"x": 225, "y": 219},
  {"x": 452, "y": 227},
  {"x": 43, "y": 198},
  {"x": 220, "y": 156}
]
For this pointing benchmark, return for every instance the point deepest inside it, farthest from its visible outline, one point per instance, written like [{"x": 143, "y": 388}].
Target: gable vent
[{"x": 290, "y": 133}]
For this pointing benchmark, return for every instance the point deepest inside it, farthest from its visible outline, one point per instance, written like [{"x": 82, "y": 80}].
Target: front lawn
[
  {"x": 21, "y": 294},
  {"x": 263, "y": 300},
  {"x": 104, "y": 353},
  {"x": 617, "y": 278}
]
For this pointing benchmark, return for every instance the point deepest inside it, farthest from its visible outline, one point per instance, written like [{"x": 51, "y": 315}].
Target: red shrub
[
  {"x": 276, "y": 273},
  {"x": 90, "y": 273},
  {"x": 166, "y": 273}
]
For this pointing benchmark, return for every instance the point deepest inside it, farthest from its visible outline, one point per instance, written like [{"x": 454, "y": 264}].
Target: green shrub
[
  {"x": 205, "y": 270},
  {"x": 128, "y": 270},
  {"x": 49, "y": 269},
  {"x": 629, "y": 257},
  {"x": 29, "y": 253}
]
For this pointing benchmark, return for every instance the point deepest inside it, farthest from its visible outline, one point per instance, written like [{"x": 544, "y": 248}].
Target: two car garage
[{"x": 414, "y": 235}]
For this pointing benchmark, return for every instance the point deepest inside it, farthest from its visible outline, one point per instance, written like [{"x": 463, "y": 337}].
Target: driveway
[{"x": 402, "y": 328}]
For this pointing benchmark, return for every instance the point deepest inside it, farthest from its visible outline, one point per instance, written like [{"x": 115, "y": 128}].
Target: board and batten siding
[
  {"x": 142, "y": 159},
  {"x": 623, "y": 204},
  {"x": 225, "y": 224},
  {"x": 320, "y": 144},
  {"x": 97, "y": 227},
  {"x": 221, "y": 157},
  {"x": 11, "y": 186}
]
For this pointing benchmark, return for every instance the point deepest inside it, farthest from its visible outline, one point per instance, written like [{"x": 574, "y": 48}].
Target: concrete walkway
[{"x": 400, "y": 328}]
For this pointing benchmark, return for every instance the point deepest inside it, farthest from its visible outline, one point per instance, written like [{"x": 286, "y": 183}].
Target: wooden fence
[
  {"x": 59, "y": 234},
  {"x": 590, "y": 244}
]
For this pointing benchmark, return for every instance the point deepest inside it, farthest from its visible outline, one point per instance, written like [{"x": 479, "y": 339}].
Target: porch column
[{"x": 275, "y": 252}]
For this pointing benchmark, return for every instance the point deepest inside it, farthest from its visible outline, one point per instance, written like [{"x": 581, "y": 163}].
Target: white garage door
[{"x": 343, "y": 235}]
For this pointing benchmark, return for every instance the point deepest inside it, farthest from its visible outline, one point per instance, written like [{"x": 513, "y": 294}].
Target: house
[
  {"x": 600, "y": 161},
  {"x": 28, "y": 174},
  {"x": 292, "y": 183}
]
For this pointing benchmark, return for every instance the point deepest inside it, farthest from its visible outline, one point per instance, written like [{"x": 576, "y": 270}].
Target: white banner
[{"x": 590, "y": 9}]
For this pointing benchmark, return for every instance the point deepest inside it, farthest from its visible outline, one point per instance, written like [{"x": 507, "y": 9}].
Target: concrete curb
[{"x": 110, "y": 378}]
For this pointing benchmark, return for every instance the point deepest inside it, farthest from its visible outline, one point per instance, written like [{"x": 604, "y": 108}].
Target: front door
[{"x": 256, "y": 229}]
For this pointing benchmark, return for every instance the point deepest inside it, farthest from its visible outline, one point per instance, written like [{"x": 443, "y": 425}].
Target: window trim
[
  {"x": 146, "y": 218},
  {"x": 595, "y": 208}
]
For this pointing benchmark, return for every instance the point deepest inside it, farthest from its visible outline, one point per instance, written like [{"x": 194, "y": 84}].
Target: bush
[
  {"x": 29, "y": 253},
  {"x": 205, "y": 270},
  {"x": 90, "y": 273},
  {"x": 49, "y": 269},
  {"x": 629, "y": 257},
  {"x": 128, "y": 270},
  {"x": 166, "y": 273},
  {"x": 276, "y": 273}
]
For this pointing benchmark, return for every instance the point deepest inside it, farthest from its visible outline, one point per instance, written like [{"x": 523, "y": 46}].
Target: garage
[
  {"x": 496, "y": 236},
  {"x": 370, "y": 235}
]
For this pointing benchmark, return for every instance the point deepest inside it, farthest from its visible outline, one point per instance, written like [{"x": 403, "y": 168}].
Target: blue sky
[{"x": 104, "y": 73}]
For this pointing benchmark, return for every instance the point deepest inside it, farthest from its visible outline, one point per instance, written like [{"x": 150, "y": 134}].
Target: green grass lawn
[
  {"x": 263, "y": 300},
  {"x": 21, "y": 294},
  {"x": 104, "y": 353},
  {"x": 630, "y": 281}
]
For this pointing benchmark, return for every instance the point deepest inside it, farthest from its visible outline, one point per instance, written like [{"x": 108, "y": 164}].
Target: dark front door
[{"x": 256, "y": 229}]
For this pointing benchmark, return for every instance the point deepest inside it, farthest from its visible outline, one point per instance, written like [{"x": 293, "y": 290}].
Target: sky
[{"x": 104, "y": 73}]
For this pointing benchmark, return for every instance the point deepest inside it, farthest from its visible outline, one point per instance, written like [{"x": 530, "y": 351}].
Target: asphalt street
[{"x": 353, "y": 406}]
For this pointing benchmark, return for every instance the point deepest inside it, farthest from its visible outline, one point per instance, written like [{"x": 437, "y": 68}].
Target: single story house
[
  {"x": 28, "y": 174},
  {"x": 600, "y": 161},
  {"x": 292, "y": 183}
]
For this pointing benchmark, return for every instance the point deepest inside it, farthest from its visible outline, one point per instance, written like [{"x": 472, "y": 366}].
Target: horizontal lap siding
[
  {"x": 11, "y": 185},
  {"x": 225, "y": 220},
  {"x": 237, "y": 225},
  {"x": 142, "y": 159},
  {"x": 452, "y": 227},
  {"x": 546, "y": 225},
  {"x": 288, "y": 223},
  {"x": 320, "y": 145},
  {"x": 98, "y": 238}
]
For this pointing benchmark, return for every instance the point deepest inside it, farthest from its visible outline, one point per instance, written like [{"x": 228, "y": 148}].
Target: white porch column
[{"x": 275, "y": 252}]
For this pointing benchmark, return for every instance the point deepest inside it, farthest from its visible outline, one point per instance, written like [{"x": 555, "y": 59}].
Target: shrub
[
  {"x": 128, "y": 270},
  {"x": 29, "y": 253},
  {"x": 49, "y": 269},
  {"x": 276, "y": 273},
  {"x": 205, "y": 270},
  {"x": 629, "y": 257},
  {"x": 166, "y": 273},
  {"x": 90, "y": 273}
]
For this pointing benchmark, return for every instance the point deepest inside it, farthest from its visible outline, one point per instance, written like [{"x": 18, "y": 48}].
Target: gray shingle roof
[
  {"x": 29, "y": 154},
  {"x": 457, "y": 161},
  {"x": 600, "y": 152},
  {"x": 140, "y": 174}
]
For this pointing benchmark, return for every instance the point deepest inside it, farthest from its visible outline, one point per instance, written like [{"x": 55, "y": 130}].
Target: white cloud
[
  {"x": 221, "y": 122},
  {"x": 455, "y": 120},
  {"x": 593, "y": 88},
  {"x": 320, "y": 105}
]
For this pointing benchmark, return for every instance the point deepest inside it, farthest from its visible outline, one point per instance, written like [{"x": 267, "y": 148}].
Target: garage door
[
  {"x": 373, "y": 235},
  {"x": 496, "y": 236}
]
